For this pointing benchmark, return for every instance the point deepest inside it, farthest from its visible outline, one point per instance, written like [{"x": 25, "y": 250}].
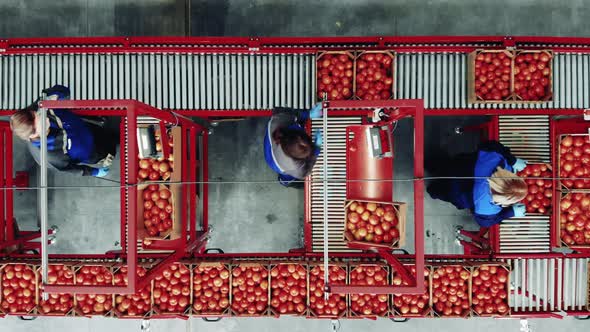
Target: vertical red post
[
  {"x": 193, "y": 178},
  {"x": 123, "y": 179},
  {"x": 8, "y": 183},
  {"x": 3, "y": 223},
  {"x": 419, "y": 191},
  {"x": 205, "y": 170},
  {"x": 131, "y": 184}
]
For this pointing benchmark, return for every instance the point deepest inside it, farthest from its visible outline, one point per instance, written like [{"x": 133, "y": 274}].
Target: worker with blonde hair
[
  {"x": 73, "y": 144},
  {"x": 483, "y": 182}
]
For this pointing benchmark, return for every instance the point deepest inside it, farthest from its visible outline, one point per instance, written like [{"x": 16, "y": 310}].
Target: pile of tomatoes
[
  {"x": 94, "y": 304},
  {"x": 532, "y": 75},
  {"x": 372, "y": 222},
  {"x": 157, "y": 209},
  {"x": 211, "y": 289},
  {"x": 492, "y": 75},
  {"x": 249, "y": 290},
  {"x": 540, "y": 189},
  {"x": 58, "y": 303},
  {"x": 156, "y": 169},
  {"x": 374, "y": 76},
  {"x": 574, "y": 161},
  {"x": 137, "y": 304},
  {"x": 334, "y": 72},
  {"x": 289, "y": 289},
  {"x": 369, "y": 304},
  {"x": 450, "y": 291},
  {"x": 490, "y": 290},
  {"x": 336, "y": 303},
  {"x": 574, "y": 220},
  {"x": 412, "y": 305},
  {"x": 172, "y": 289},
  {"x": 18, "y": 289}
]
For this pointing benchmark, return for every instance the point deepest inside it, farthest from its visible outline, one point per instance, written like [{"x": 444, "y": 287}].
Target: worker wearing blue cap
[
  {"x": 288, "y": 149},
  {"x": 73, "y": 145},
  {"x": 483, "y": 182}
]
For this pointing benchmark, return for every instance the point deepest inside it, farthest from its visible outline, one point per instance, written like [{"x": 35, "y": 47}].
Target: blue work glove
[
  {"x": 318, "y": 138},
  {"x": 100, "y": 172},
  {"x": 316, "y": 111},
  {"x": 519, "y": 210},
  {"x": 519, "y": 165}
]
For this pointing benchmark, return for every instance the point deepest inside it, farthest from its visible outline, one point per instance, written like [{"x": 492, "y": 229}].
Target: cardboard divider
[
  {"x": 35, "y": 294},
  {"x": 427, "y": 310},
  {"x": 311, "y": 313},
  {"x": 40, "y": 303},
  {"x": 206, "y": 312},
  {"x": 467, "y": 267},
  {"x": 472, "y": 97},
  {"x": 506, "y": 288},
  {"x": 352, "y": 313},
  {"x": 350, "y": 54},
  {"x": 401, "y": 213},
  {"x": 387, "y": 53},
  {"x": 260, "y": 264},
  {"x": 77, "y": 310},
  {"x": 549, "y": 90}
]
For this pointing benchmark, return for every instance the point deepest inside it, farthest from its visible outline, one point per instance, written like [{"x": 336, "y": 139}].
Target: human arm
[
  {"x": 493, "y": 219},
  {"x": 495, "y": 146},
  {"x": 59, "y": 161}
]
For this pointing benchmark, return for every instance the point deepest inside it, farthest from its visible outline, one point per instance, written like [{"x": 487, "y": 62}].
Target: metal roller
[
  {"x": 172, "y": 81},
  {"x": 336, "y": 187}
]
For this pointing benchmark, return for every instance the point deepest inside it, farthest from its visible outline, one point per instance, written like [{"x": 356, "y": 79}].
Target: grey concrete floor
[{"x": 254, "y": 217}]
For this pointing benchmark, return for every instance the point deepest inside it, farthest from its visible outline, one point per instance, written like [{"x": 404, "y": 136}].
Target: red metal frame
[
  {"x": 398, "y": 109},
  {"x": 130, "y": 110}
]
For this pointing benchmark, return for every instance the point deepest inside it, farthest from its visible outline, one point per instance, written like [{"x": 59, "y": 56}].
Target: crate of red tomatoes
[
  {"x": 138, "y": 305},
  {"x": 163, "y": 168},
  {"x": 490, "y": 290},
  {"x": 489, "y": 76},
  {"x": 573, "y": 159},
  {"x": 158, "y": 211},
  {"x": 288, "y": 289},
  {"x": 418, "y": 305},
  {"x": 171, "y": 291},
  {"x": 533, "y": 76},
  {"x": 250, "y": 291},
  {"x": 19, "y": 294},
  {"x": 374, "y": 75},
  {"x": 335, "y": 75},
  {"x": 375, "y": 224},
  {"x": 211, "y": 289},
  {"x": 336, "y": 306},
  {"x": 93, "y": 304},
  {"x": 510, "y": 76},
  {"x": 451, "y": 291},
  {"x": 539, "y": 180},
  {"x": 57, "y": 304},
  {"x": 369, "y": 305},
  {"x": 574, "y": 219}
]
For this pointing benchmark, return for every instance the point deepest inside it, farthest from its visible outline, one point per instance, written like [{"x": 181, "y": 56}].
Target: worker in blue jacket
[
  {"x": 73, "y": 145},
  {"x": 288, "y": 149},
  {"x": 483, "y": 182}
]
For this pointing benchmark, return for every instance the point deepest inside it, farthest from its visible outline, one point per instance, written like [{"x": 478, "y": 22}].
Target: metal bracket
[
  {"x": 145, "y": 325},
  {"x": 335, "y": 325},
  {"x": 211, "y": 319},
  {"x": 586, "y": 114},
  {"x": 399, "y": 319},
  {"x": 27, "y": 318}
]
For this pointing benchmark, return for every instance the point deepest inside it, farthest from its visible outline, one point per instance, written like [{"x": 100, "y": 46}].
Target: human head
[
  {"x": 22, "y": 124},
  {"x": 507, "y": 188},
  {"x": 296, "y": 143}
]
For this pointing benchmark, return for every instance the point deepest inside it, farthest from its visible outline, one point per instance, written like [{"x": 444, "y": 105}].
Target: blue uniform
[
  {"x": 475, "y": 194},
  {"x": 287, "y": 168}
]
